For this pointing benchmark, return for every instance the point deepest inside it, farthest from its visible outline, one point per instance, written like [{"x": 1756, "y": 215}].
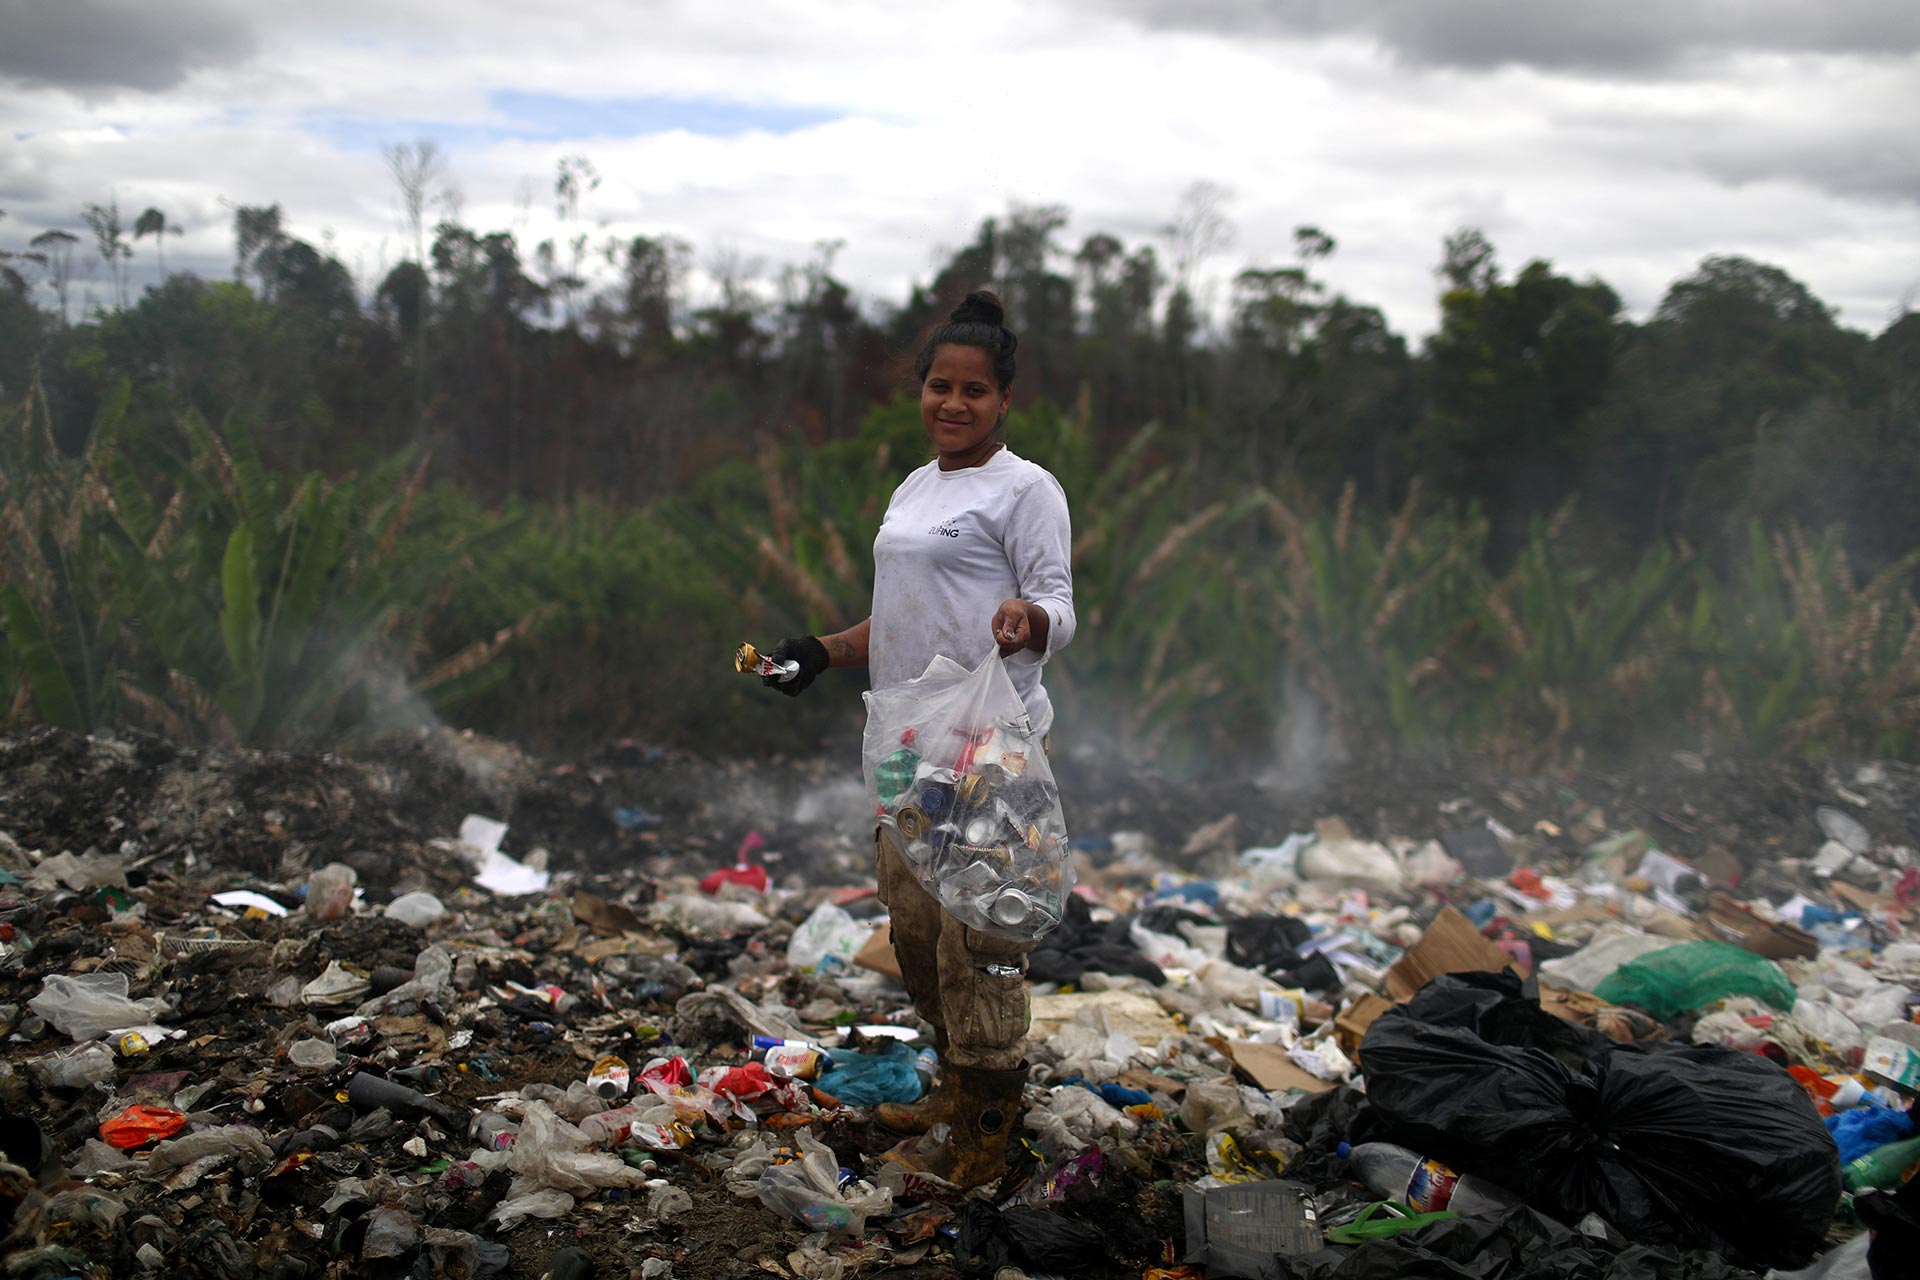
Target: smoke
[{"x": 1306, "y": 747}]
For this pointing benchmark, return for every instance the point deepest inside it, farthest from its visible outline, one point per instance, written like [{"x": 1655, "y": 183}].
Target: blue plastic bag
[
  {"x": 867, "y": 1079},
  {"x": 1865, "y": 1129}
]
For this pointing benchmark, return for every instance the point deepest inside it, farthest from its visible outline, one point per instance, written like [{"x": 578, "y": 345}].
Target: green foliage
[
  {"x": 59, "y": 614},
  {"x": 1798, "y": 656},
  {"x": 1574, "y": 647}
]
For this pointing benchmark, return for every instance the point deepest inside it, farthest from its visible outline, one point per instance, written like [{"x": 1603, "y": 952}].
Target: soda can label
[
  {"x": 797, "y": 1061},
  {"x": 610, "y": 1077}
]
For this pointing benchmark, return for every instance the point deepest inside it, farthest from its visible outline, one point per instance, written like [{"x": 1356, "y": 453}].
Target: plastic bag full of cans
[{"x": 959, "y": 777}]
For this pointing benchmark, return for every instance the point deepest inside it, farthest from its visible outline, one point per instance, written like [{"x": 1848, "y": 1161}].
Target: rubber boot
[
  {"x": 986, "y": 1107},
  {"x": 934, "y": 1107}
]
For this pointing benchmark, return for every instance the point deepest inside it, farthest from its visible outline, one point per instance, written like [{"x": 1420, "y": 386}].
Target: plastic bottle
[
  {"x": 494, "y": 1131},
  {"x": 1882, "y": 1167},
  {"x": 369, "y": 1092},
  {"x": 1426, "y": 1185}
]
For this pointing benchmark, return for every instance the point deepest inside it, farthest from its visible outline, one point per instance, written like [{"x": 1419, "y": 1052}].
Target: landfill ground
[{"x": 1179, "y": 1056}]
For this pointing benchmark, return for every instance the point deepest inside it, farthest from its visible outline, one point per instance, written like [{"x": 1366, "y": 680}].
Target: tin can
[
  {"x": 132, "y": 1044},
  {"x": 1010, "y": 907},
  {"x": 750, "y": 661},
  {"x": 610, "y": 1077},
  {"x": 912, "y": 821},
  {"x": 801, "y": 1062}
]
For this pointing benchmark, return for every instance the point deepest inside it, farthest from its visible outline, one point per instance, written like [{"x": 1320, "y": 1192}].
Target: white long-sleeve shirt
[{"x": 952, "y": 546}]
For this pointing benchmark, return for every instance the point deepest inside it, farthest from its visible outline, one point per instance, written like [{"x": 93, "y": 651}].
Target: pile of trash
[{"x": 267, "y": 1045}]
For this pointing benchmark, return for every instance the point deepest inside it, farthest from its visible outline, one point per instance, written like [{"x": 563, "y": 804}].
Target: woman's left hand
[{"x": 1012, "y": 626}]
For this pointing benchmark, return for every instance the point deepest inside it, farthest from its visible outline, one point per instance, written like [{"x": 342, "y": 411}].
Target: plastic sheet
[
  {"x": 1694, "y": 975},
  {"x": 959, "y": 776}
]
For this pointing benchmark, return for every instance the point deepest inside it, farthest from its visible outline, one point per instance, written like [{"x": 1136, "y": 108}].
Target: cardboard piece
[
  {"x": 603, "y": 915},
  {"x": 1450, "y": 945},
  {"x": 1134, "y": 1015},
  {"x": 1571, "y": 1006},
  {"x": 877, "y": 954},
  {"x": 1352, "y": 1023},
  {"x": 1727, "y": 920},
  {"x": 1857, "y": 898},
  {"x": 1269, "y": 1067}
]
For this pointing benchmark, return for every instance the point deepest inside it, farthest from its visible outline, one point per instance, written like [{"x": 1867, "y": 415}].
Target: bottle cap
[{"x": 1343, "y": 1150}]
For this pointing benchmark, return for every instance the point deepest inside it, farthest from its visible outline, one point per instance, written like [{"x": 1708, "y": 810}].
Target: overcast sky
[{"x": 1624, "y": 141}]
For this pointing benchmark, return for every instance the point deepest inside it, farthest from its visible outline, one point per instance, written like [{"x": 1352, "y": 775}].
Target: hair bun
[{"x": 982, "y": 306}]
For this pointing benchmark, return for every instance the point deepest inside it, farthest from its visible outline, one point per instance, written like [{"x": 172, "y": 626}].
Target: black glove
[{"x": 805, "y": 650}]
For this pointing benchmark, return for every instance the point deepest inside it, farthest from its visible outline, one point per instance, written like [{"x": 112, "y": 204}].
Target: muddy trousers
[{"x": 971, "y": 985}]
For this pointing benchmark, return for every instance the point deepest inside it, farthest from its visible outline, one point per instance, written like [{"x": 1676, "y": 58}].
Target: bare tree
[
  {"x": 419, "y": 171},
  {"x": 1199, "y": 229},
  {"x": 154, "y": 223},
  {"x": 575, "y": 179},
  {"x": 58, "y": 245},
  {"x": 109, "y": 237}
]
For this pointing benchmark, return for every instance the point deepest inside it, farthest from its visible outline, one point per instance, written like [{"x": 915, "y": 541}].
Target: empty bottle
[
  {"x": 1426, "y": 1185},
  {"x": 369, "y": 1092},
  {"x": 1882, "y": 1167}
]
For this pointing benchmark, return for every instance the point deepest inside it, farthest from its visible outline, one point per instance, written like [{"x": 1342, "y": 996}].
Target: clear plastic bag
[{"x": 959, "y": 776}]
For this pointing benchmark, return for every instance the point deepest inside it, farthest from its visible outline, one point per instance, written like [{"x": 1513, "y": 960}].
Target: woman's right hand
[{"x": 805, "y": 650}]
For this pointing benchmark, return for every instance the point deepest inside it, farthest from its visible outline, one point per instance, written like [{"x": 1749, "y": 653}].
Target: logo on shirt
[{"x": 948, "y": 528}]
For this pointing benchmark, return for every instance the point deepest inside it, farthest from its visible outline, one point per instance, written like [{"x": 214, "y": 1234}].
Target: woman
[{"x": 974, "y": 551}]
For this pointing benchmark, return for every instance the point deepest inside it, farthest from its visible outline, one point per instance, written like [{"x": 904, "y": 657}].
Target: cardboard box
[
  {"x": 877, "y": 954},
  {"x": 1450, "y": 945},
  {"x": 1893, "y": 1063}
]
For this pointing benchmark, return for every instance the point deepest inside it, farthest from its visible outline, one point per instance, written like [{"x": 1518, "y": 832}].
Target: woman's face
[{"x": 960, "y": 406}]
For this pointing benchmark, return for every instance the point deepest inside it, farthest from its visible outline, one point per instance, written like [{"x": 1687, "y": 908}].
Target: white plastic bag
[
  {"x": 810, "y": 1191},
  {"x": 829, "y": 934},
  {"x": 86, "y": 1006},
  {"x": 958, "y": 773}
]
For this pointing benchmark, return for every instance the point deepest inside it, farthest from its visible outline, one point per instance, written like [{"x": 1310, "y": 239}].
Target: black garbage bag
[
  {"x": 1078, "y": 946},
  {"x": 1320, "y": 1122},
  {"x": 1266, "y": 942},
  {"x": 1894, "y": 1217},
  {"x": 1520, "y": 1244},
  {"x": 1695, "y": 1145},
  {"x": 1035, "y": 1239}
]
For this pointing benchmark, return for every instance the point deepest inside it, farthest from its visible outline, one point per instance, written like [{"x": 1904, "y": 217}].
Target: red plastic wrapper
[
  {"x": 749, "y": 1081},
  {"x": 741, "y": 872},
  {"x": 664, "y": 1075},
  {"x": 139, "y": 1125}
]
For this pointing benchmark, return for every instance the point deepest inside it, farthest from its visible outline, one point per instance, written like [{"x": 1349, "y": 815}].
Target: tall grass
[{"x": 176, "y": 582}]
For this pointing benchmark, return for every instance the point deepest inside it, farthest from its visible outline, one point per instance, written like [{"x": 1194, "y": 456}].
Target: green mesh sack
[{"x": 1694, "y": 975}]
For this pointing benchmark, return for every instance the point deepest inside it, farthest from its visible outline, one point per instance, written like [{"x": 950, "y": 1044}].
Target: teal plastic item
[
  {"x": 867, "y": 1079},
  {"x": 1694, "y": 975}
]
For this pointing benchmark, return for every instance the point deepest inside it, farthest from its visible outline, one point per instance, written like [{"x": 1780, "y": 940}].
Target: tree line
[{"x": 578, "y": 369}]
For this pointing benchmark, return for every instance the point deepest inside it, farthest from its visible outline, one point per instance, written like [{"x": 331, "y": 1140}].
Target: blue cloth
[
  {"x": 1865, "y": 1129},
  {"x": 1114, "y": 1095},
  {"x": 865, "y": 1079}
]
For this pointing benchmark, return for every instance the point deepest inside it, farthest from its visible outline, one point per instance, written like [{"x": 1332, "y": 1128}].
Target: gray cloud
[
  {"x": 95, "y": 46},
  {"x": 1624, "y": 37}
]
